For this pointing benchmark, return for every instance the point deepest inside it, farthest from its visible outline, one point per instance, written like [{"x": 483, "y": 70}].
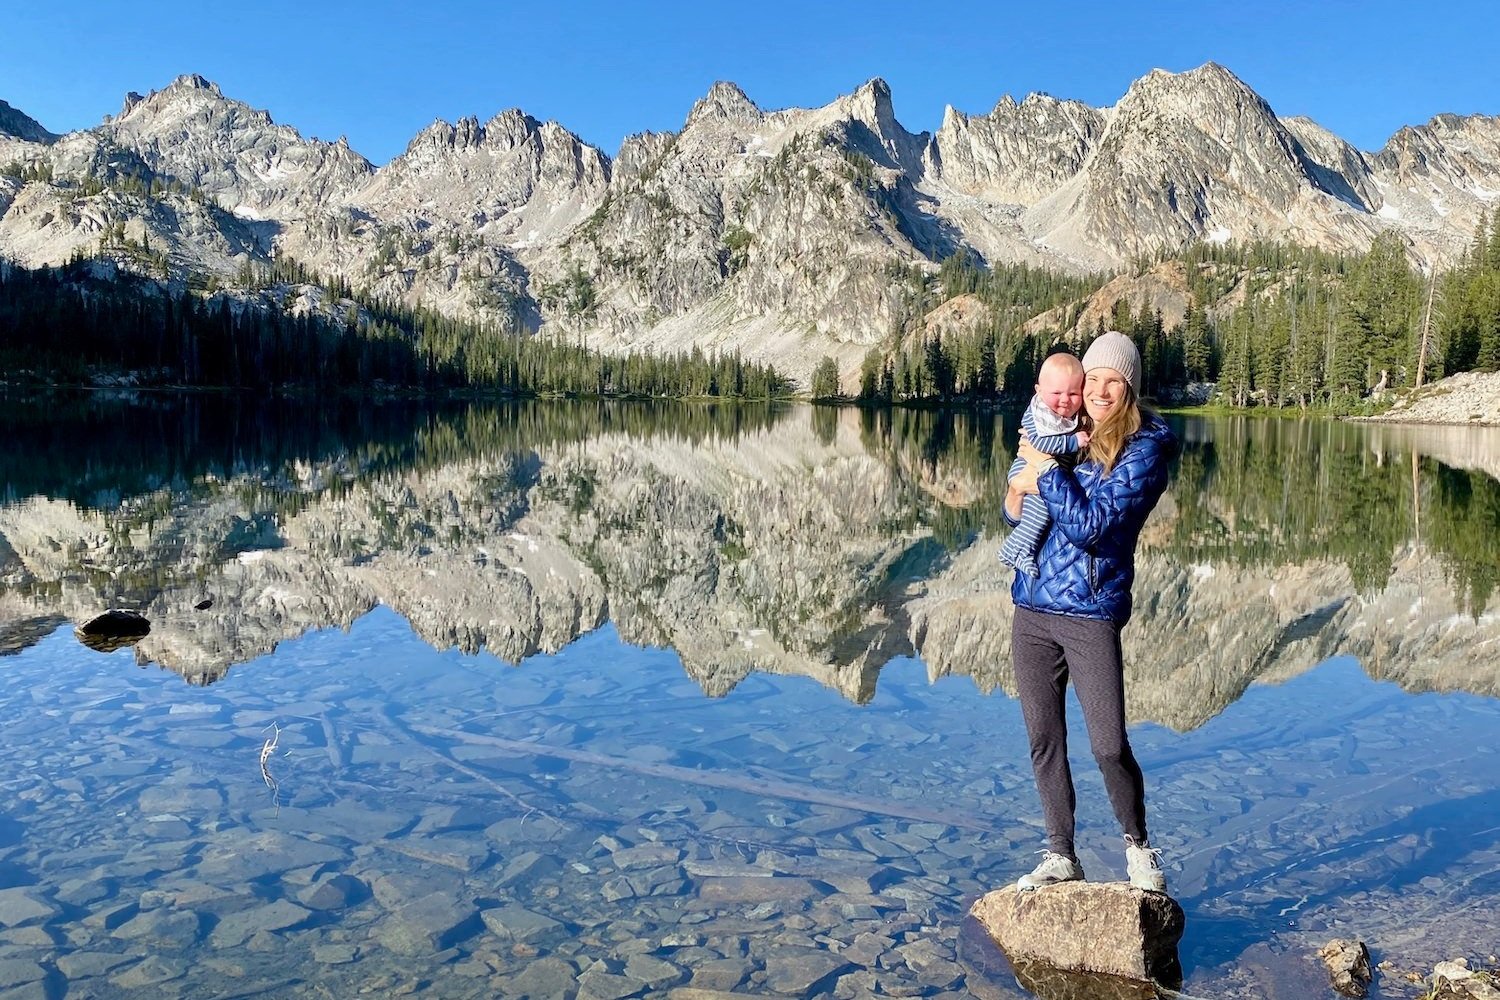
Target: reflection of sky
[{"x": 1321, "y": 803}]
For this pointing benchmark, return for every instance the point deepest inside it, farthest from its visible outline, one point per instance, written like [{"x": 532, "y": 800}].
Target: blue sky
[{"x": 379, "y": 71}]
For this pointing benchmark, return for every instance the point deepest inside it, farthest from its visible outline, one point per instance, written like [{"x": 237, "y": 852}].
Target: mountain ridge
[{"x": 782, "y": 234}]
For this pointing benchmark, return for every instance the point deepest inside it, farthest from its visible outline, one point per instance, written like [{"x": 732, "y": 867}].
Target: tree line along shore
[{"x": 1265, "y": 326}]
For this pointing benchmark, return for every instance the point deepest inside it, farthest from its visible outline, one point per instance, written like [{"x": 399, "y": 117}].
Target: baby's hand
[{"x": 1082, "y": 438}]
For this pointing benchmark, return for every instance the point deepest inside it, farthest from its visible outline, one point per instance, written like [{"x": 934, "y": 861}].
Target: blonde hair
[{"x": 1108, "y": 437}]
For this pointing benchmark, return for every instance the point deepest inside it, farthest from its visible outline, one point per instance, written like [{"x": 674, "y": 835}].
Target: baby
[{"x": 1051, "y": 424}]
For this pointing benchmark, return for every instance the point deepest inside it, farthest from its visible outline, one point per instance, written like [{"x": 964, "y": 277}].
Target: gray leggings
[{"x": 1046, "y": 650}]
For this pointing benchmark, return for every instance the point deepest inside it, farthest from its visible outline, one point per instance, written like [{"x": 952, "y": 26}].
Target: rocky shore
[{"x": 1471, "y": 398}]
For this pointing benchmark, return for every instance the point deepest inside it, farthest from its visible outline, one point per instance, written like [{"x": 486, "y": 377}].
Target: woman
[{"x": 1068, "y": 619}]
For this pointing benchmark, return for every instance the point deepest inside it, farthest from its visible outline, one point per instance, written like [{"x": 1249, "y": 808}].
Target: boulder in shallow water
[
  {"x": 1110, "y": 928},
  {"x": 1348, "y": 963},
  {"x": 113, "y": 630},
  {"x": 1454, "y": 979}
]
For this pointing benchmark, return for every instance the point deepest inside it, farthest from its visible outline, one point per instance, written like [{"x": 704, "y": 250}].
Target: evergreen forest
[
  {"x": 289, "y": 328},
  {"x": 1272, "y": 325}
]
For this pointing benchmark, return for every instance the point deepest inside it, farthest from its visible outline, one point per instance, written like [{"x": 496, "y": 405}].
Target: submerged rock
[
  {"x": 1109, "y": 928},
  {"x": 21, "y": 635},
  {"x": 112, "y": 630},
  {"x": 1048, "y": 983},
  {"x": 1454, "y": 979},
  {"x": 1348, "y": 963}
]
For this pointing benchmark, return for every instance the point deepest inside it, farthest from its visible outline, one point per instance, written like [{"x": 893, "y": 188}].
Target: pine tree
[
  {"x": 1195, "y": 343},
  {"x": 869, "y": 376},
  {"x": 984, "y": 377},
  {"x": 825, "y": 379}
]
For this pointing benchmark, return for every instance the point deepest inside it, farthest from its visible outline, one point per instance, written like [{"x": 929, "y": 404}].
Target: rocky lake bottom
[{"x": 357, "y": 813}]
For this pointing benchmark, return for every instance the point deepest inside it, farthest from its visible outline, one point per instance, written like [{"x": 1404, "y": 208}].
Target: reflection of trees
[
  {"x": 1248, "y": 493},
  {"x": 1461, "y": 521},
  {"x": 954, "y": 463},
  {"x": 1264, "y": 493},
  {"x": 162, "y": 499},
  {"x": 102, "y": 453},
  {"x": 1268, "y": 493}
]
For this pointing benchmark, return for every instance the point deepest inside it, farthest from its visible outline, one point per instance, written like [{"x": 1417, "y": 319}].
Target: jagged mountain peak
[
  {"x": 1200, "y": 155},
  {"x": 1443, "y": 174},
  {"x": 187, "y": 83},
  {"x": 1172, "y": 114},
  {"x": 1019, "y": 152},
  {"x": 188, "y": 95},
  {"x": 867, "y": 123},
  {"x": 513, "y": 117},
  {"x": 725, "y": 101},
  {"x": 21, "y": 125},
  {"x": 1445, "y": 125},
  {"x": 462, "y": 134},
  {"x": 195, "y": 81},
  {"x": 1163, "y": 91},
  {"x": 511, "y": 184},
  {"x": 505, "y": 130},
  {"x": 871, "y": 103},
  {"x": 234, "y": 153},
  {"x": 1007, "y": 108},
  {"x": 1207, "y": 72}
]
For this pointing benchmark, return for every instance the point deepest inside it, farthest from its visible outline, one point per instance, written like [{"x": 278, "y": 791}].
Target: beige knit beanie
[{"x": 1115, "y": 350}]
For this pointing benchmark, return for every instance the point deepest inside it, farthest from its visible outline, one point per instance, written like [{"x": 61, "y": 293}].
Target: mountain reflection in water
[
  {"x": 790, "y": 540},
  {"x": 367, "y": 810}
]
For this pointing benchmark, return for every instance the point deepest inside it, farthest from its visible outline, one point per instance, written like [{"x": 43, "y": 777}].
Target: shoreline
[{"x": 1468, "y": 399}]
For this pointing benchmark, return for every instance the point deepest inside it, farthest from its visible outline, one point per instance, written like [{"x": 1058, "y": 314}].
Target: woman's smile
[{"x": 1102, "y": 389}]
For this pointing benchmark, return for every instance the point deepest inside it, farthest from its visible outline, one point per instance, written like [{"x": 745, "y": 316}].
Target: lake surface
[{"x": 611, "y": 700}]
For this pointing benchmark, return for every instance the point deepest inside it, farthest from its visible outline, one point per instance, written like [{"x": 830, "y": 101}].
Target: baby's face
[{"x": 1061, "y": 390}]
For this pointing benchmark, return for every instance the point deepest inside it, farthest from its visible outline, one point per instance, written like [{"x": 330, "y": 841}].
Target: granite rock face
[
  {"x": 19, "y": 125},
  {"x": 1018, "y": 153},
  {"x": 1109, "y": 928},
  {"x": 1196, "y": 155},
  {"x": 234, "y": 153}
]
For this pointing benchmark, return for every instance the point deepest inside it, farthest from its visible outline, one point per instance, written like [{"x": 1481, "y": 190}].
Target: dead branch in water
[
  {"x": 781, "y": 788},
  {"x": 267, "y": 750},
  {"x": 457, "y": 765}
]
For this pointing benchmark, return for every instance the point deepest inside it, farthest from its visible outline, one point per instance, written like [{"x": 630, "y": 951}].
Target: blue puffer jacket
[{"x": 1087, "y": 561}]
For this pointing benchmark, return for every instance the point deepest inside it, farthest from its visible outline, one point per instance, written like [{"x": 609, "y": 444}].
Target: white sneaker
[
  {"x": 1053, "y": 868},
  {"x": 1143, "y": 865}
]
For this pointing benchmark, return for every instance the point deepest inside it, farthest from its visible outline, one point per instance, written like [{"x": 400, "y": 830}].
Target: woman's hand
[
  {"x": 1024, "y": 482},
  {"x": 1013, "y": 499},
  {"x": 1033, "y": 457}
]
